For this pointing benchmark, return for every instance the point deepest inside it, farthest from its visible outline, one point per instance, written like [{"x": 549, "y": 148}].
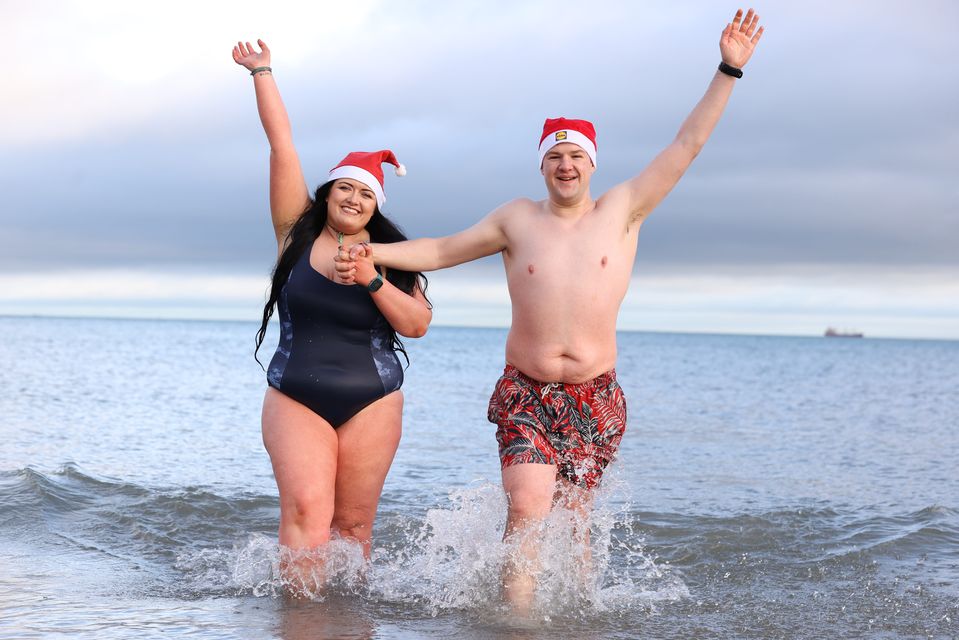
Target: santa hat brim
[
  {"x": 364, "y": 176},
  {"x": 577, "y": 138}
]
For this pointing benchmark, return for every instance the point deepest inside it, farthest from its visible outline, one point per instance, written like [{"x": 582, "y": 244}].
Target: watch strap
[
  {"x": 730, "y": 70},
  {"x": 375, "y": 284}
]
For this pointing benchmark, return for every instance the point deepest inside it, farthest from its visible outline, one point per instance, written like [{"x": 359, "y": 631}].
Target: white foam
[
  {"x": 454, "y": 560},
  {"x": 254, "y": 567}
]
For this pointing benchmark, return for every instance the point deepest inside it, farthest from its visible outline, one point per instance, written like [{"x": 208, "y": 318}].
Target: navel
[
  {"x": 603, "y": 262},
  {"x": 531, "y": 268}
]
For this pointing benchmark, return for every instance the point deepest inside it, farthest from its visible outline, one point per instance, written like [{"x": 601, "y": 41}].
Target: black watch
[
  {"x": 730, "y": 70},
  {"x": 375, "y": 284}
]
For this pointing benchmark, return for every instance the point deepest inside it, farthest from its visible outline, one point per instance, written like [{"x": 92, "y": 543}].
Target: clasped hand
[{"x": 354, "y": 265}]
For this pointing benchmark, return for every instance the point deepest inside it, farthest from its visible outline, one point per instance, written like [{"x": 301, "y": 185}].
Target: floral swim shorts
[{"x": 577, "y": 427}]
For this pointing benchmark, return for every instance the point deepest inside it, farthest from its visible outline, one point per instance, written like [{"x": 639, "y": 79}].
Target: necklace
[{"x": 338, "y": 237}]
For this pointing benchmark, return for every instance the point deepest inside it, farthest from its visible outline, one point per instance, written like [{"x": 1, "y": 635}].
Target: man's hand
[{"x": 739, "y": 39}]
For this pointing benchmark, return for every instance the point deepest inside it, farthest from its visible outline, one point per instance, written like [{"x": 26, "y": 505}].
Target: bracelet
[
  {"x": 259, "y": 69},
  {"x": 730, "y": 70}
]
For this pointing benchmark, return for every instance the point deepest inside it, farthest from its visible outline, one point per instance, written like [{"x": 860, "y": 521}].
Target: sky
[{"x": 133, "y": 169}]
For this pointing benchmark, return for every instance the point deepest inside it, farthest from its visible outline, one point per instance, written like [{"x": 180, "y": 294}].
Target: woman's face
[{"x": 350, "y": 205}]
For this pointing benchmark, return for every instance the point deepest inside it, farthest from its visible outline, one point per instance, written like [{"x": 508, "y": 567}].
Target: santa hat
[
  {"x": 365, "y": 166},
  {"x": 559, "y": 130}
]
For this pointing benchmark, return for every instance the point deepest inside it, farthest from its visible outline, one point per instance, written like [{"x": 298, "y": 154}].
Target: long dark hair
[{"x": 300, "y": 238}]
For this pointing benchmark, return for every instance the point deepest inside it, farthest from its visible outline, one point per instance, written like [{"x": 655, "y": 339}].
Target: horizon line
[{"x": 450, "y": 325}]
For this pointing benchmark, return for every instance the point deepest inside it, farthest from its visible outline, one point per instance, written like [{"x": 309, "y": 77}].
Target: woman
[{"x": 332, "y": 414}]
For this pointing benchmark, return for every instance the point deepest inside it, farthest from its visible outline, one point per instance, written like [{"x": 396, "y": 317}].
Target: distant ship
[{"x": 836, "y": 333}]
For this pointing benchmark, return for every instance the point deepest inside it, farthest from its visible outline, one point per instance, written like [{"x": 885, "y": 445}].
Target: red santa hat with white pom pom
[{"x": 366, "y": 166}]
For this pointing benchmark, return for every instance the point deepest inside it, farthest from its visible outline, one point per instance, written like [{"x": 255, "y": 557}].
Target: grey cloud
[{"x": 838, "y": 145}]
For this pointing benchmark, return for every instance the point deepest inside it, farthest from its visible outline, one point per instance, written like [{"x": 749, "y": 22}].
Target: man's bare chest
[{"x": 597, "y": 255}]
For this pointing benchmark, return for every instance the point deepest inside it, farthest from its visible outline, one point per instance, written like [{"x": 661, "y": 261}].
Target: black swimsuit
[{"x": 335, "y": 355}]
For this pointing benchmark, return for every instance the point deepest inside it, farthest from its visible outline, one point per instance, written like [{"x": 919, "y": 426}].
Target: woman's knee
[
  {"x": 354, "y": 523},
  {"x": 307, "y": 510}
]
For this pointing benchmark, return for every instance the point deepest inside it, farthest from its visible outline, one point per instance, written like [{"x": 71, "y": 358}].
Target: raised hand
[
  {"x": 246, "y": 56},
  {"x": 740, "y": 38}
]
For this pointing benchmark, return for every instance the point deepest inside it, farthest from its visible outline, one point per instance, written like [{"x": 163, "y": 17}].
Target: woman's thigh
[
  {"x": 367, "y": 444},
  {"x": 303, "y": 450}
]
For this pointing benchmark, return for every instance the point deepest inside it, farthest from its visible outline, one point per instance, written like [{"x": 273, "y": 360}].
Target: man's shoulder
[
  {"x": 515, "y": 209},
  {"x": 526, "y": 204},
  {"x": 617, "y": 197}
]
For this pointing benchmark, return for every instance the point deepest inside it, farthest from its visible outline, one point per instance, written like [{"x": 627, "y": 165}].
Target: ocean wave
[
  {"x": 194, "y": 542},
  {"x": 121, "y": 518},
  {"x": 802, "y": 535}
]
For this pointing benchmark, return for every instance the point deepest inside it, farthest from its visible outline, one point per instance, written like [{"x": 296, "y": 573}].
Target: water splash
[
  {"x": 255, "y": 567},
  {"x": 456, "y": 559},
  {"x": 452, "y": 559}
]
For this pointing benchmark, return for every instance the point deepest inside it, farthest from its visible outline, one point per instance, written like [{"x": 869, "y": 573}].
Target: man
[{"x": 568, "y": 260}]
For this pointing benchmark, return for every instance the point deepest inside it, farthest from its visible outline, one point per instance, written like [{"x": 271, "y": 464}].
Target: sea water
[{"x": 767, "y": 487}]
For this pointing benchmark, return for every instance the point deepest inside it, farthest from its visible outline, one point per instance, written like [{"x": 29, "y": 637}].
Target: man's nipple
[
  {"x": 603, "y": 262},
  {"x": 531, "y": 268}
]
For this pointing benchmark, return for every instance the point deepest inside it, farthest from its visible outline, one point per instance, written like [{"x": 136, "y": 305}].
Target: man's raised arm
[
  {"x": 486, "y": 237},
  {"x": 644, "y": 192}
]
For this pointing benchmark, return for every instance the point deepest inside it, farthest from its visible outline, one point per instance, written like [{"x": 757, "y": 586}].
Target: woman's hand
[
  {"x": 739, "y": 39},
  {"x": 343, "y": 267},
  {"x": 246, "y": 56},
  {"x": 364, "y": 269},
  {"x": 409, "y": 314},
  {"x": 354, "y": 265}
]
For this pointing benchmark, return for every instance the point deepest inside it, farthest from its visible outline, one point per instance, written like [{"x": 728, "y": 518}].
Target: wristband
[
  {"x": 256, "y": 70},
  {"x": 730, "y": 70}
]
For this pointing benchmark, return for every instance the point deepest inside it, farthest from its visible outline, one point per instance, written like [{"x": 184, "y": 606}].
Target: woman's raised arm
[{"x": 289, "y": 195}]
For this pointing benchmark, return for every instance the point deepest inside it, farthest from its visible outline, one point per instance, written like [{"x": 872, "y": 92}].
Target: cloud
[
  {"x": 110, "y": 67},
  {"x": 129, "y": 139}
]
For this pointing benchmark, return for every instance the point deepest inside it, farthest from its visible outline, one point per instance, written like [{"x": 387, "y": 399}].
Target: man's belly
[
  {"x": 564, "y": 318},
  {"x": 560, "y": 355}
]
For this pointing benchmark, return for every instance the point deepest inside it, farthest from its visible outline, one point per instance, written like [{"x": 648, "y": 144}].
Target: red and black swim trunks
[{"x": 577, "y": 427}]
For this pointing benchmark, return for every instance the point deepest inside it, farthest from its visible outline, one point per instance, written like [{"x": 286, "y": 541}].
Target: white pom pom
[{"x": 401, "y": 170}]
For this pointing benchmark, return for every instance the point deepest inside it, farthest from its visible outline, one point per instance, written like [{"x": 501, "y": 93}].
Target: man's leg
[
  {"x": 529, "y": 491},
  {"x": 579, "y": 501}
]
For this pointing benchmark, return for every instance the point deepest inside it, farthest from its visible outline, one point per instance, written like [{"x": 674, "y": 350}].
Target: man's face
[{"x": 567, "y": 170}]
